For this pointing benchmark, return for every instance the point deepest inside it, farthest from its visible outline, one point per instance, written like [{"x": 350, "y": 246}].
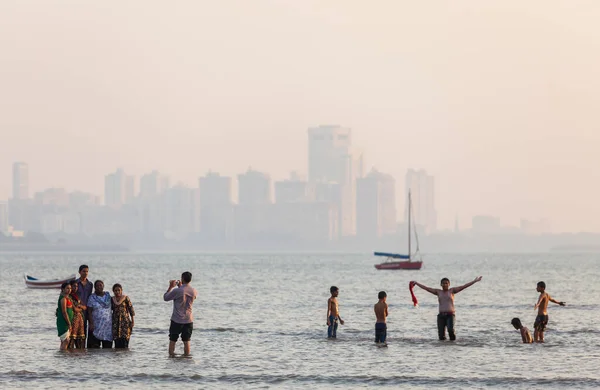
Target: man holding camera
[{"x": 182, "y": 319}]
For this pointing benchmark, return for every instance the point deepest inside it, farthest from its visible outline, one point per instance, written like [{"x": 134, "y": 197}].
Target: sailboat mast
[{"x": 409, "y": 226}]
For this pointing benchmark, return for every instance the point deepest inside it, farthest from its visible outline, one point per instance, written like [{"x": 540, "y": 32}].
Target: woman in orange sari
[{"x": 77, "y": 331}]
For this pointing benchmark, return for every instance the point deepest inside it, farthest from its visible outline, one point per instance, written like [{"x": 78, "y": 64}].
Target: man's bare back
[{"x": 381, "y": 311}]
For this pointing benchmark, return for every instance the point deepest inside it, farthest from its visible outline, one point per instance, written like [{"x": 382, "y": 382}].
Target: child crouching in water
[{"x": 525, "y": 335}]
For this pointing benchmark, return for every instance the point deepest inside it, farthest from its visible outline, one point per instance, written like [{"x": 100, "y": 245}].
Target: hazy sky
[{"x": 497, "y": 99}]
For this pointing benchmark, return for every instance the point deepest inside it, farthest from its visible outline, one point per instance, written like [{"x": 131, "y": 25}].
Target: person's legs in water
[
  {"x": 332, "y": 328},
  {"x": 174, "y": 331},
  {"x": 122, "y": 343},
  {"x": 380, "y": 332},
  {"x": 93, "y": 342},
  {"x": 186, "y": 335},
  {"x": 441, "y": 324},
  {"x": 450, "y": 325},
  {"x": 335, "y": 326}
]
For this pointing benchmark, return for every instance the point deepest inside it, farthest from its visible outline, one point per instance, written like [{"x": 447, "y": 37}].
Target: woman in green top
[{"x": 64, "y": 315}]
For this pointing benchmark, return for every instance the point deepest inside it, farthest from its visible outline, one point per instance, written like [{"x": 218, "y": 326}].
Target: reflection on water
[{"x": 260, "y": 321}]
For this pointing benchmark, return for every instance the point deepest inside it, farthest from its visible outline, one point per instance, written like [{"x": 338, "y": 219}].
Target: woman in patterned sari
[
  {"x": 64, "y": 316},
  {"x": 77, "y": 330},
  {"x": 123, "y": 314},
  {"x": 100, "y": 312}
]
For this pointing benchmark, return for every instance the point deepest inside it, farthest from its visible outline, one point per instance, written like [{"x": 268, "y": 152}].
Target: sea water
[{"x": 260, "y": 322}]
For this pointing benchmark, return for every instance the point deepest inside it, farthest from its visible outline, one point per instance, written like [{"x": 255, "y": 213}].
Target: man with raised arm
[
  {"x": 445, "y": 296},
  {"x": 182, "y": 319}
]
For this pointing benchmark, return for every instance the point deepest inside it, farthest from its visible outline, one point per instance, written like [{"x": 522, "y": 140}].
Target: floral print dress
[
  {"x": 101, "y": 316},
  {"x": 121, "y": 322}
]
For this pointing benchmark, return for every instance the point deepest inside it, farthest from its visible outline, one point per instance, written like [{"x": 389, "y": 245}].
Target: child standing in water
[
  {"x": 381, "y": 312},
  {"x": 525, "y": 335},
  {"x": 542, "y": 307},
  {"x": 333, "y": 313}
]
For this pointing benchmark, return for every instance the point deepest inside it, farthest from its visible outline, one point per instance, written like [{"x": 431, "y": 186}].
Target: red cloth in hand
[{"x": 411, "y": 286}]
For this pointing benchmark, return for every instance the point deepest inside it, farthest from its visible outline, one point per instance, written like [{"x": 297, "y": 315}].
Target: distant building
[
  {"x": 254, "y": 188},
  {"x": 485, "y": 224},
  {"x": 182, "y": 211},
  {"x": 300, "y": 223},
  {"x": 251, "y": 214},
  {"x": 153, "y": 184},
  {"x": 20, "y": 180},
  {"x": 119, "y": 189},
  {"x": 375, "y": 205},
  {"x": 53, "y": 197},
  {"x": 24, "y": 215},
  {"x": 332, "y": 159},
  {"x": 4, "y": 218},
  {"x": 153, "y": 206},
  {"x": 79, "y": 200},
  {"x": 422, "y": 190},
  {"x": 535, "y": 227},
  {"x": 329, "y": 154},
  {"x": 67, "y": 222},
  {"x": 216, "y": 207},
  {"x": 129, "y": 189},
  {"x": 253, "y": 223},
  {"x": 294, "y": 189}
]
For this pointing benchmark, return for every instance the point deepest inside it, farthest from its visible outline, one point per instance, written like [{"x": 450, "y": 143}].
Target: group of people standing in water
[
  {"x": 105, "y": 319},
  {"x": 446, "y": 315},
  {"x": 94, "y": 316}
]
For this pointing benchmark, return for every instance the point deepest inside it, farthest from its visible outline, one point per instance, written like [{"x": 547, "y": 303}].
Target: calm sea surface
[{"x": 260, "y": 321}]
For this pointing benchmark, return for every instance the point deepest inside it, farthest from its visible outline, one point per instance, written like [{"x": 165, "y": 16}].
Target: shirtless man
[
  {"x": 525, "y": 335},
  {"x": 445, "y": 296},
  {"x": 333, "y": 313},
  {"x": 381, "y": 312},
  {"x": 542, "y": 307}
]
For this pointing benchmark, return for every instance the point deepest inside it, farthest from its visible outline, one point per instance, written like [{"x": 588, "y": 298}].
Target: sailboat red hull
[{"x": 409, "y": 265}]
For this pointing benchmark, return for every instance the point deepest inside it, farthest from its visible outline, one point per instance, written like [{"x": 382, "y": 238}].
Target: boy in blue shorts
[{"x": 381, "y": 312}]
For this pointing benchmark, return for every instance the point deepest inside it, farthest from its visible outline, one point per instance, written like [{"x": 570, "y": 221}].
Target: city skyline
[
  {"x": 503, "y": 118},
  {"x": 258, "y": 188}
]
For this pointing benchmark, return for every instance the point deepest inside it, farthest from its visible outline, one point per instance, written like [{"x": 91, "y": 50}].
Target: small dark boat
[{"x": 32, "y": 282}]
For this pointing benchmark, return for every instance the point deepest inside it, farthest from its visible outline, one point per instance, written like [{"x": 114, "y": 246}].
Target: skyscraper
[
  {"x": 216, "y": 207},
  {"x": 329, "y": 154},
  {"x": 421, "y": 186},
  {"x": 294, "y": 189},
  {"x": 153, "y": 184},
  {"x": 332, "y": 159},
  {"x": 20, "y": 180},
  {"x": 182, "y": 215},
  {"x": 3, "y": 217},
  {"x": 119, "y": 188},
  {"x": 254, "y": 188},
  {"x": 375, "y": 205}
]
